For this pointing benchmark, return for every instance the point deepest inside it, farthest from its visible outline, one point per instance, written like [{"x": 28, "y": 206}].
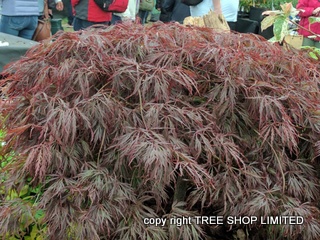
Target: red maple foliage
[{"x": 128, "y": 122}]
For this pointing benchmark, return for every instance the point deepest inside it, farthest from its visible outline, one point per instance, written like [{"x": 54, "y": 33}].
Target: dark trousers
[
  {"x": 115, "y": 19},
  {"x": 143, "y": 15},
  {"x": 80, "y": 24},
  {"x": 69, "y": 12}
]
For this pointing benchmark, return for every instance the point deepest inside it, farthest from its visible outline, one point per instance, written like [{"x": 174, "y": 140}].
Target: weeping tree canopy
[{"x": 111, "y": 126}]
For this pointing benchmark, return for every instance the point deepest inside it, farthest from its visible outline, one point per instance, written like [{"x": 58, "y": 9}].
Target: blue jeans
[
  {"x": 21, "y": 26},
  {"x": 143, "y": 15},
  {"x": 115, "y": 19},
  {"x": 80, "y": 24}
]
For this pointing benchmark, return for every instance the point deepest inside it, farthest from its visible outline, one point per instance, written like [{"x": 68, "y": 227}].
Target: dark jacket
[
  {"x": 179, "y": 10},
  {"x": 158, "y": 4},
  {"x": 90, "y": 11}
]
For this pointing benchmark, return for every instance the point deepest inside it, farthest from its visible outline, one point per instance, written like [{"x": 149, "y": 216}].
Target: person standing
[
  {"x": 70, "y": 13},
  {"x": 129, "y": 15},
  {"x": 204, "y": 7},
  {"x": 143, "y": 14},
  {"x": 88, "y": 13},
  {"x": 229, "y": 10},
  {"x": 179, "y": 11},
  {"x": 58, "y": 4},
  {"x": 309, "y": 8},
  {"x": 19, "y": 17}
]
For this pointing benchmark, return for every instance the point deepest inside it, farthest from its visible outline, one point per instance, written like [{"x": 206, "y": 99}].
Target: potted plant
[
  {"x": 259, "y": 6},
  {"x": 272, "y": 4},
  {"x": 256, "y": 10},
  {"x": 280, "y": 22}
]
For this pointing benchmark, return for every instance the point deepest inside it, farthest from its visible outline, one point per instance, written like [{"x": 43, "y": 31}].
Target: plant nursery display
[
  {"x": 160, "y": 132},
  {"x": 267, "y": 4},
  {"x": 285, "y": 25}
]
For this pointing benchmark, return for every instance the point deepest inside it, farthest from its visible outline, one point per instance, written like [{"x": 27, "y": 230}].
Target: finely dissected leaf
[
  {"x": 188, "y": 230},
  {"x": 108, "y": 127}
]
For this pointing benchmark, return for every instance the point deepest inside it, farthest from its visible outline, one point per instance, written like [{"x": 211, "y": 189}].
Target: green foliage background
[{"x": 268, "y": 3}]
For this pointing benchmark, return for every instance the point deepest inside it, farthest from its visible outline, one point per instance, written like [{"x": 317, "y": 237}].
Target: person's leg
[
  {"x": 31, "y": 25},
  {"x": 143, "y": 16},
  {"x": 5, "y": 26},
  {"x": 80, "y": 24},
  {"x": 115, "y": 19},
  {"x": 69, "y": 12},
  {"x": 140, "y": 15}
]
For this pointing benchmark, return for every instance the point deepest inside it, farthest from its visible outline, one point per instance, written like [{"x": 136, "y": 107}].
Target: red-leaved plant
[{"x": 120, "y": 124}]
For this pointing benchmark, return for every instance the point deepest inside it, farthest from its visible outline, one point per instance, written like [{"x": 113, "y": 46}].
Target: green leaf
[
  {"x": 34, "y": 232},
  {"x": 24, "y": 191},
  {"x": 13, "y": 238},
  {"x": 3, "y": 164},
  {"x": 2, "y": 134},
  {"x": 314, "y": 19},
  {"x": 273, "y": 39},
  {"x": 12, "y": 195},
  {"x": 268, "y": 21},
  {"x": 317, "y": 50},
  {"x": 313, "y": 55},
  {"x": 39, "y": 214},
  {"x": 280, "y": 28},
  {"x": 286, "y": 8},
  {"x": 35, "y": 190}
]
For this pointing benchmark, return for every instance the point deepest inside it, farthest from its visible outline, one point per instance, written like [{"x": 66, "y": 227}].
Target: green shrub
[{"x": 125, "y": 123}]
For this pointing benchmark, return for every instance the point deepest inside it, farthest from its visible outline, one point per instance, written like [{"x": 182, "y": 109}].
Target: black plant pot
[
  {"x": 255, "y": 13},
  {"x": 267, "y": 33},
  {"x": 56, "y": 25}
]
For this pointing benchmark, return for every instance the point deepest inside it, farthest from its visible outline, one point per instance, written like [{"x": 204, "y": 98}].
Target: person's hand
[
  {"x": 59, "y": 6},
  {"x": 316, "y": 11}
]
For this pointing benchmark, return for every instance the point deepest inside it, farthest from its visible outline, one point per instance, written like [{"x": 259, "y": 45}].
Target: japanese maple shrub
[{"x": 119, "y": 124}]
